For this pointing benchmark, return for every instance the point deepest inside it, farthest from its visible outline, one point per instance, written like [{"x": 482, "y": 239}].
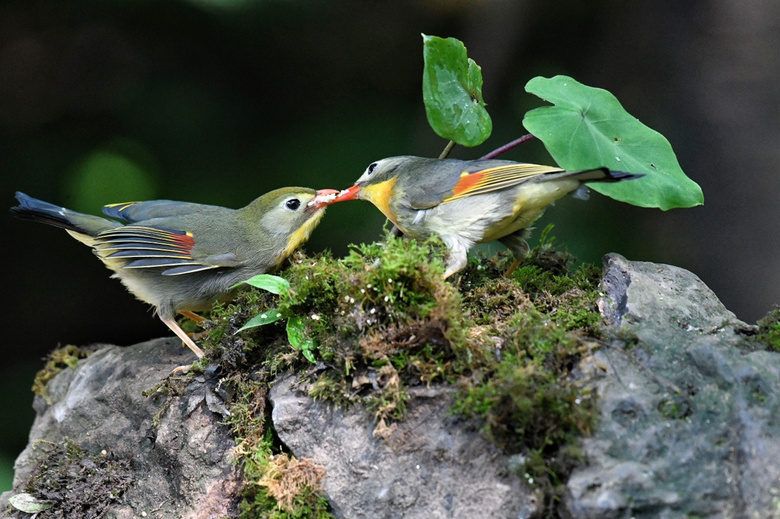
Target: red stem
[{"x": 506, "y": 147}]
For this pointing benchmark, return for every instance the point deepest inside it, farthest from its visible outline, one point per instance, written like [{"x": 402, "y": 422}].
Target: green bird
[
  {"x": 181, "y": 257},
  {"x": 465, "y": 202}
]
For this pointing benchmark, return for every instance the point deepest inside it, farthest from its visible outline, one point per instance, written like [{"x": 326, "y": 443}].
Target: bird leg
[
  {"x": 516, "y": 243},
  {"x": 512, "y": 267},
  {"x": 198, "y": 320},
  {"x": 171, "y": 323},
  {"x": 193, "y": 317}
]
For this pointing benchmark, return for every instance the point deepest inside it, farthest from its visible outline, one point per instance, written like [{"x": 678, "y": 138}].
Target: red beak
[{"x": 348, "y": 194}]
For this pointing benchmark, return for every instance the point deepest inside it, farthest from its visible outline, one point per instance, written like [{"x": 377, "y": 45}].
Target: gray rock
[
  {"x": 689, "y": 427},
  {"x": 181, "y": 469},
  {"x": 689, "y": 423},
  {"x": 430, "y": 465}
]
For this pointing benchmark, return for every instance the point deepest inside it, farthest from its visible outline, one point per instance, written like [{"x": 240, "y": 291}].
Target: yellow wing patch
[{"x": 121, "y": 206}]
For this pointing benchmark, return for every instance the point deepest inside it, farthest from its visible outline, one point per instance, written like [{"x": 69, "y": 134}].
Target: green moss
[
  {"x": 675, "y": 407},
  {"x": 76, "y": 483},
  {"x": 769, "y": 330},
  {"x": 383, "y": 320},
  {"x": 276, "y": 486},
  {"x": 56, "y": 361}
]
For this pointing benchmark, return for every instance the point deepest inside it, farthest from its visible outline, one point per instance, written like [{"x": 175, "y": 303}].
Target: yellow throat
[{"x": 379, "y": 195}]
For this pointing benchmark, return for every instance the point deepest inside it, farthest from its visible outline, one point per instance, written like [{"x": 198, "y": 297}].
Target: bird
[
  {"x": 181, "y": 257},
  {"x": 465, "y": 202}
]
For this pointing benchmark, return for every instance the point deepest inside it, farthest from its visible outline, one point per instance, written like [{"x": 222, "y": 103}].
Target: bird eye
[
  {"x": 371, "y": 168},
  {"x": 293, "y": 204}
]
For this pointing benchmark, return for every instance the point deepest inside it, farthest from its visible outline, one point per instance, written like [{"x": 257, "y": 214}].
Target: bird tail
[
  {"x": 598, "y": 175},
  {"x": 30, "y": 208},
  {"x": 589, "y": 175}
]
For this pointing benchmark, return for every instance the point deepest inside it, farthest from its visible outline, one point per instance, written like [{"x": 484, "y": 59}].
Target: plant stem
[
  {"x": 506, "y": 147},
  {"x": 447, "y": 150}
]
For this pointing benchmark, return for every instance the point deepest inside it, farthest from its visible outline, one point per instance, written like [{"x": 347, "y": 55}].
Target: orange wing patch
[
  {"x": 141, "y": 247},
  {"x": 495, "y": 179}
]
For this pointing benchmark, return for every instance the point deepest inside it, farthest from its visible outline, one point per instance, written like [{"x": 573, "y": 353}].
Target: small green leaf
[
  {"x": 452, "y": 92},
  {"x": 28, "y": 504},
  {"x": 296, "y": 334},
  {"x": 296, "y": 330},
  {"x": 267, "y": 317},
  {"x": 273, "y": 284},
  {"x": 308, "y": 350},
  {"x": 587, "y": 128}
]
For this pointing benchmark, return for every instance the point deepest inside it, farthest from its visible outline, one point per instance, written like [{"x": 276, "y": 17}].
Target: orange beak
[{"x": 348, "y": 194}]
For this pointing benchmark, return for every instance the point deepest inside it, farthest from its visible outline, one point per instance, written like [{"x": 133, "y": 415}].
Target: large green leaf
[
  {"x": 587, "y": 127},
  {"x": 452, "y": 92}
]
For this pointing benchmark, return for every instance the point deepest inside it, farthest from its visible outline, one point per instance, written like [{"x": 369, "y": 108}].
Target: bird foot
[
  {"x": 512, "y": 267},
  {"x": 180, "y": 370}
]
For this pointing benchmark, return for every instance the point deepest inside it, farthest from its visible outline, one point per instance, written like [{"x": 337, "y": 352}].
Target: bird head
[
  {"x": 290, "y": 213},
  {"x": 377, "y": 184}
]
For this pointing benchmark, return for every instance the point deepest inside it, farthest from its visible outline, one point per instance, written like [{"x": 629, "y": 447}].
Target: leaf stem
[
  {"x": 506, "y": 147},
  {"x": 447, "y": 150}
]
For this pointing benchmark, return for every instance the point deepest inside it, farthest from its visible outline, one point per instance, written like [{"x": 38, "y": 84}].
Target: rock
[
  {"x": 689, "y": 423},
  {"x": 430, "y": 465},
  {"x": 182, "y": 468},
  {"x": 688, "y": 427}
]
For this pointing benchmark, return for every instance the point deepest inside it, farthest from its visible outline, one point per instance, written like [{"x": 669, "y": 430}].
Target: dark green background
[{"x": 219, "y": 101}]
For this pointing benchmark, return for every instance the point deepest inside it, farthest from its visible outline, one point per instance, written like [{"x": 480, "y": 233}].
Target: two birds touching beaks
[{"x": 181, "y": 257}]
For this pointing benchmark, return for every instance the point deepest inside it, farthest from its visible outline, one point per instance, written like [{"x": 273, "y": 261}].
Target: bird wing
[
  {"x": 139, "y": 211},
  {"x": 157, "y": 247},
  {"x": 496, "y": 178}
]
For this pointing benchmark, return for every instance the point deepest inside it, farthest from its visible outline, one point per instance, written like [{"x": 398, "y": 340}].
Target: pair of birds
[{"x": 181, "y": 257}]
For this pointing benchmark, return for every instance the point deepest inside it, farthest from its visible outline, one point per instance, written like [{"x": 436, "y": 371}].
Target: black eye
[
  {"x": 293, "y": 204},
  {"x": 371, "y": 168}
]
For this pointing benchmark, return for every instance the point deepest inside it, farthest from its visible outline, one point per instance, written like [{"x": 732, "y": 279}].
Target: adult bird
[
  {"x": 181, "y": 257},
  {"x": 465, "y": 202}
]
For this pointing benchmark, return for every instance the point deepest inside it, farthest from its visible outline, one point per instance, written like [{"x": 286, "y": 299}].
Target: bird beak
[
  {"x": 322, "y": 198},
  {"x": 351, "y": 193},
  {"x": 326, "y": 197}
]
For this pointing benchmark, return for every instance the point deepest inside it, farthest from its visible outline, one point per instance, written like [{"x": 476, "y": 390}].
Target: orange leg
[
  {"x": 512, "y": 267},
  {"x": 173, "y": 325},
  {"x": 193, "y": 316},
  {"x": 197, "y": 320}
]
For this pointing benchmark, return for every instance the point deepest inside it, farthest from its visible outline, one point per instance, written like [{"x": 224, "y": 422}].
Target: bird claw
[{"x": 183, "y": 370}]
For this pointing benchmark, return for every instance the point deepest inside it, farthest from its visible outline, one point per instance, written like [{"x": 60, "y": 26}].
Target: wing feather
[
  {"x": 497, "y": 178},
  {"x": 147, "y": 247}
]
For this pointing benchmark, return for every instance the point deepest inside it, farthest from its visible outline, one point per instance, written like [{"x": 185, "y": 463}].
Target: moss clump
[
  {"x": 56, "y": 361},
  {"x": 383, "y": 320},
  {"x": 769, "y": 330},
  {"x": 75, "y": 483},
  {"x": 294, "y": 484},
  {"x": 276, "y": 485}
]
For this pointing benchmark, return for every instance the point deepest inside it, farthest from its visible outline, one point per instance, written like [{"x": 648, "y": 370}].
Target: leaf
[
  {"x": 587, "y": 128},
  {"x": 273, "y": 284},
  {"x": 452, "y": 92},
  {"x": 27, "y": 503},
  {"x": 296, "y": 334},
  {"x": 295, "y": 331},
  {"x": 267, "y": 317}
]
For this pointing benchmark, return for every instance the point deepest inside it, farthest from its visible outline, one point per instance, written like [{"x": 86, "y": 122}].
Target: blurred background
[{"x": 219, "y": 101}]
